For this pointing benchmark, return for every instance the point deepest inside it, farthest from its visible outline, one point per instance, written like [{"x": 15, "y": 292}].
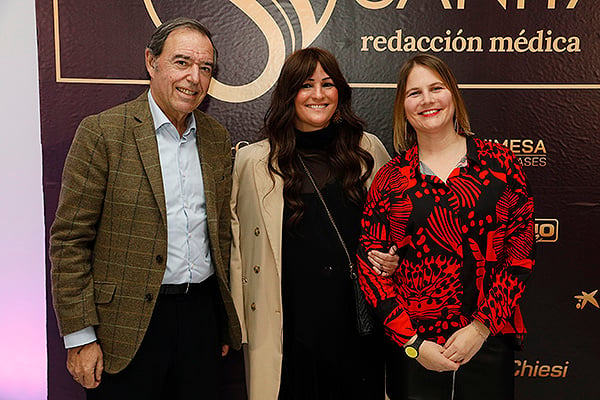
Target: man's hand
[
  {"x": 85, "y": 363},
  {"x": 466, "y": 342},
  {"x": 431, "y": 357}
]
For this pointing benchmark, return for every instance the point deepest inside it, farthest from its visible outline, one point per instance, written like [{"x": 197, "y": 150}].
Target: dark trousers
[
  {"x": 488, "y": 375},
  {"x": 357, "y": 375},
  {"x": 179, "y": 357}
]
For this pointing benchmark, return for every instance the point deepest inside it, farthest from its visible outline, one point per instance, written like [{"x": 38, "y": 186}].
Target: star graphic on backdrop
[{"x": 585, "y": 298}]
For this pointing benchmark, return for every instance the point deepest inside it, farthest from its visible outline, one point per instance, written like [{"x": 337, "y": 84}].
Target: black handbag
[{"x": 365, "y": 321}]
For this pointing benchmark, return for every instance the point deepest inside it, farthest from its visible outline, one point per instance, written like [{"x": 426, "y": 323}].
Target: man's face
[{"x": 181, "y": 74}]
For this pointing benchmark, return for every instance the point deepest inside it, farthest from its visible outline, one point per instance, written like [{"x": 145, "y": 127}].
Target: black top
[
  {"x": 323, "y": 356},
  {"x": 317, "y": 290}
]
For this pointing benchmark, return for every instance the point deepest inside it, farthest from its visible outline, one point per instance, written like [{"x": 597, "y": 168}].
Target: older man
[{"x": 140, "y": 243}]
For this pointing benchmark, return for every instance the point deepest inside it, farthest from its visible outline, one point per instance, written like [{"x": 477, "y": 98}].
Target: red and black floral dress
[{"x": 466, "y": 246}]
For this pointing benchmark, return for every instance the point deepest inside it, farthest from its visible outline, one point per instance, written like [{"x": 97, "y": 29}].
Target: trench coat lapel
[{"x": 272, "y": 207}]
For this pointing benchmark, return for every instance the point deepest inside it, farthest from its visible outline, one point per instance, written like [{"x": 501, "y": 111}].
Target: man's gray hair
[{"x": 157, "y": 41}]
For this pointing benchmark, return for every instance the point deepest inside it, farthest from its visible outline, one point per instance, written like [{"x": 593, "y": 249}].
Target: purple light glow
[{"x": 22, "y": 273}]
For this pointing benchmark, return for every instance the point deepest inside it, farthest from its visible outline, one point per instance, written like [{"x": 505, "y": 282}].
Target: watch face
[{"x": 411, "y": 352}]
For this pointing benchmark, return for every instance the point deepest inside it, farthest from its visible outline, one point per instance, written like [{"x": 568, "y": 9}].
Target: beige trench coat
[{"x": 257, "y": 214}]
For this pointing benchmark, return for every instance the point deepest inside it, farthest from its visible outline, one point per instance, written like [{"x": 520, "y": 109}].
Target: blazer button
[
  {"x": 159, "y": 259},
  {"x": 253, "y": 307},
  {"x": 256, "y": 231},
  {"x": 256, "y": 269},
  {"x": 148, "y": 297},
  {"x": 244, "y": 280}
]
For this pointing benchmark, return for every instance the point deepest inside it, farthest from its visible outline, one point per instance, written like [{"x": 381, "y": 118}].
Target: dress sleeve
[
  {"x": 512, "y": 245},
  {"x": 382, "y": 292}
]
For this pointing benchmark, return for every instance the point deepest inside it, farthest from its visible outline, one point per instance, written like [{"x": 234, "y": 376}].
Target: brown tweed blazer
[{"x": 108, "y": 243}]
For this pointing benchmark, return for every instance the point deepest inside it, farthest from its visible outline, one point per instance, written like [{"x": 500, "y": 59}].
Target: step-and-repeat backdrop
[{"x": 528, "y": 69}]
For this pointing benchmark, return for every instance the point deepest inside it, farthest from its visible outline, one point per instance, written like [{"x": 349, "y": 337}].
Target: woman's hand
[
  {"x": 431, "y": 357},
  {"x": 384, "y": 264},
  {"x": 466, "y": 342}
]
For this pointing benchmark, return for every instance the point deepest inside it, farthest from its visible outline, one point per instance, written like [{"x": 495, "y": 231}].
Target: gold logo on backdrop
[
  {"x": 309, "y": 25},
  {"x": 460, "y": 4},
  {"x": 529, "y": 369},
  {"x": 546, "y": 230},
  {"x": 584, "y": 298},
  {"x": 310, "y": 28},
  {"x": 529, "y": 152}
]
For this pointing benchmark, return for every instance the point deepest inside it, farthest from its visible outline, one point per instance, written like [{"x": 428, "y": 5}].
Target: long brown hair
[
  {"x": 349, "y": 161},
  {"x": 404, "y": 134}
]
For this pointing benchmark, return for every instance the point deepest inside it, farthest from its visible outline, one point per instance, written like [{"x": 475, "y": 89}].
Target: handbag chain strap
[{"x": 339, "y": 235}]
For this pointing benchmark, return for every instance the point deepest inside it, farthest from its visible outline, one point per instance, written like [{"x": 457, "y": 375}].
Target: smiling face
[
  {"x": 181, "y": 74},
  {"x": 428, "y": 103},
  {"x": 315, "y": 102}
]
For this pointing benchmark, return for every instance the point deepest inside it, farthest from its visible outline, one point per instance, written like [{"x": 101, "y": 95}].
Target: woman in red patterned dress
[{"x": 460, "y": 212}]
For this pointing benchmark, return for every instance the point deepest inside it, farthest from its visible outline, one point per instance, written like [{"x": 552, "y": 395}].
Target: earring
[
  {"x": 337, "y": 117},
  {"x": 457, "y": 128}
]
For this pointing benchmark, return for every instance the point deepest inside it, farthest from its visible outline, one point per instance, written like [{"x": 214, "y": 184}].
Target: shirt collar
[
  {"x": 160, "y": 119},
  {"x": 473, "y": 150},
  {"x": 412, "y": 156}
]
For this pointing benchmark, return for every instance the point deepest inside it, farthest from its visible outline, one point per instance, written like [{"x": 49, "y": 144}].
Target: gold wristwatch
[{"x": 412, "y": 350}]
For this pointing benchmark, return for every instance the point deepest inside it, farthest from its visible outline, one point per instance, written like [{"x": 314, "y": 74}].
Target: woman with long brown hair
[{"x": 297, "y": 200}]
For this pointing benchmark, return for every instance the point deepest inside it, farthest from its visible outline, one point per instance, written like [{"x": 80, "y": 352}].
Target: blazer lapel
[
  {"x": 204, "y": 141},
  {"x": 272, "y": 207},
  {"x": 145, "y": 138}
]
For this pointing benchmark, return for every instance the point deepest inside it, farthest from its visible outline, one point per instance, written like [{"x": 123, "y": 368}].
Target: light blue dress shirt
[
  {"x": 188, "y": 256},
  {"x": 188, "y": 248}
]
